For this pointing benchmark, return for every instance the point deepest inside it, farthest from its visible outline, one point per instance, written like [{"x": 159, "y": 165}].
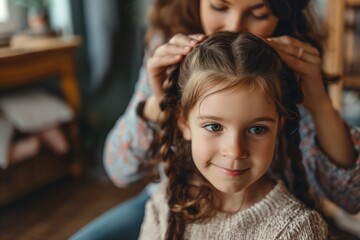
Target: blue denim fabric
[{"x": 121, "y": 222}]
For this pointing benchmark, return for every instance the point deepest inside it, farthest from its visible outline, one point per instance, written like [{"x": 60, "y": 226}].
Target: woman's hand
[
  {"x": 305, "y": 60},
  {"x": 164, "y": 57}
]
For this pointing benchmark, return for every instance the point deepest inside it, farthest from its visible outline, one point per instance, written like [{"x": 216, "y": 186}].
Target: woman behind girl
[{"x": 224, "y": 109}]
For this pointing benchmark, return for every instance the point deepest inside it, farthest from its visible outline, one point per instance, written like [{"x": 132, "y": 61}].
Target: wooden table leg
[{"x": 71, "y": 92}]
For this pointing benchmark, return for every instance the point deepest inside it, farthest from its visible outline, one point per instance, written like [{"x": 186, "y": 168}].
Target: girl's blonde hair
[{"x": 224, "y": 61}]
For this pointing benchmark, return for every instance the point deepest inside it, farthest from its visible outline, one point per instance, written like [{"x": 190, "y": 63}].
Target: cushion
[{"x": 35, "y": 110}]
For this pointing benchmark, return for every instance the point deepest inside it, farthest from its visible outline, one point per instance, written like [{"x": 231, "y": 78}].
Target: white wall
[
  {"x": 4, "y": 10},
  {"x": 13, "y": 17},
  {"x": 60, "y": 16}
]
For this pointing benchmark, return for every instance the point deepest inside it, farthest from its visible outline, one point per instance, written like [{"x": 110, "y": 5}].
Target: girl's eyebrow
[
  {"x": 259, "y": 119},
  {"x": 264, "y": 119},
  {"x": 209, "y": 117}
]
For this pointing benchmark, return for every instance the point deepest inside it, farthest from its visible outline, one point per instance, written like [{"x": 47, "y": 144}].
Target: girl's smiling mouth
[{"x": 232, "y": 172}]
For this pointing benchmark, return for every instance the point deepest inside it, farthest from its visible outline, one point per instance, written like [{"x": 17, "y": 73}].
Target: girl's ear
[{"x": 183, "y": 125}]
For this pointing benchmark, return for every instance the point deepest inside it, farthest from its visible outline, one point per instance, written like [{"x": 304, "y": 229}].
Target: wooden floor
[{"x": 59, "y": 210}]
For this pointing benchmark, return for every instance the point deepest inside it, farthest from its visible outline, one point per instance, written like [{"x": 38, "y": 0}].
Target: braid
[
  {"x": 300, "y": 185},
  {"x": 190, "y": 197},
  {"x": 278, "y": 166},
  {"x": 291, "y": 136},
  {"x": 168, "y": 134}
]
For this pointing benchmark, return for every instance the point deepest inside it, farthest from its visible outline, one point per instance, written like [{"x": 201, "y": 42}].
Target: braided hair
[{"x": 225, "y": 61}]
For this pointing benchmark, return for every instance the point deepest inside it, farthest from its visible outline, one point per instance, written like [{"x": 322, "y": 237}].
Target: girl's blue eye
[
  {"x": 258, "y": 130},
  {"x": 213, "y": 127}
]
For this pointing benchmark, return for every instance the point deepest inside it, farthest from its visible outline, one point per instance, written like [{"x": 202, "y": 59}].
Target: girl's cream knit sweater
[{"x": 277, "y": 216}]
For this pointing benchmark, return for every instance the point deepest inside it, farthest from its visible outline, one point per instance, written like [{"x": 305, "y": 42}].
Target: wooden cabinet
[{"x": 26, "y": 62}]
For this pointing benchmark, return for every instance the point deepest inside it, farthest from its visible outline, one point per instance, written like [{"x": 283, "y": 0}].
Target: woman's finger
[
  {"x": 172, "y": 49},
  {"x": 308, "y": 57},
  {"x": 286, "y": 40},
  {"x": 292, "y": 62},
  {"x": 302, "y": 53},
  {"x": 197, "y": 37},
  {"x": 179, "y": 44},
  {"x": 186, "y": 40},
  {"x": 163, "y": 61},
  {"x": 301, "y": 67}
]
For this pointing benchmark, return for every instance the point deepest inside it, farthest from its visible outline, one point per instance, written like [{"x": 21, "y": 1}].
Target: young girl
[
  {"x": 331, "y": 158},
  {"x": 223, "y": 111}
]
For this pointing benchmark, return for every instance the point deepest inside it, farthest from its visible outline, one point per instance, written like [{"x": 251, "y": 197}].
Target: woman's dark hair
[
  {"x": 225, "y": 61},
  {"x": 183, "y": 16}
]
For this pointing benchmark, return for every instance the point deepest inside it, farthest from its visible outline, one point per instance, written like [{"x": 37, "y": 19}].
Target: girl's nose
[{"x": 235, "y": 148}]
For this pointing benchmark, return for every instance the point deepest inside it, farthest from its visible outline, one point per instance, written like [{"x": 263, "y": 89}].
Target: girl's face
[
  {"x": 251, "y": 16},
  {"x": 233, "y": 135}
]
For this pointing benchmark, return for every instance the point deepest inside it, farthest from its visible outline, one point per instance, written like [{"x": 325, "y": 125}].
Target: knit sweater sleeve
[
  {"x": 305, "y": 226},
  {"x": 150, "y": 228},
  {"x": 128, "y": 141},
  {"x": 338, "y": 184}
]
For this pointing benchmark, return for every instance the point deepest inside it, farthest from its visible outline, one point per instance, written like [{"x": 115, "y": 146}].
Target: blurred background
[{"x": 67, "y": 72}]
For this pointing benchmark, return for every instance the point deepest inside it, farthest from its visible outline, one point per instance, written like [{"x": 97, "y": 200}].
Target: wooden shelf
[
  {"x": 28, "y": 61},
  {"x": 25, "y": 62}
]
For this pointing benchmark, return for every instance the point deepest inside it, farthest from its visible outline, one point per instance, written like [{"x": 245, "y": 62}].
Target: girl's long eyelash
[
  {"x": 262, "y": 128},
  {"x": 209, "y": 127}
]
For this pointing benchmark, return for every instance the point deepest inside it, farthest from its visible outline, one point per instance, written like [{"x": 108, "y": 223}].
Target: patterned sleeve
[
  {"x": 340, "y": 185},
  {"x": 128, "y": 141}
]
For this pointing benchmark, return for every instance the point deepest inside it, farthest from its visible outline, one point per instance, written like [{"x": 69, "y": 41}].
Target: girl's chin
[{"x": 229, "y": 189}]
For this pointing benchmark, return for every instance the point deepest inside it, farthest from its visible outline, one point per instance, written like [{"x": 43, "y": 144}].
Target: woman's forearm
[
  {"x": 128, "y": 141},
  {"x": 152, "y": 109},
  {"x": 125, "y": 149},
  {"x": 332, "y": 134}
]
